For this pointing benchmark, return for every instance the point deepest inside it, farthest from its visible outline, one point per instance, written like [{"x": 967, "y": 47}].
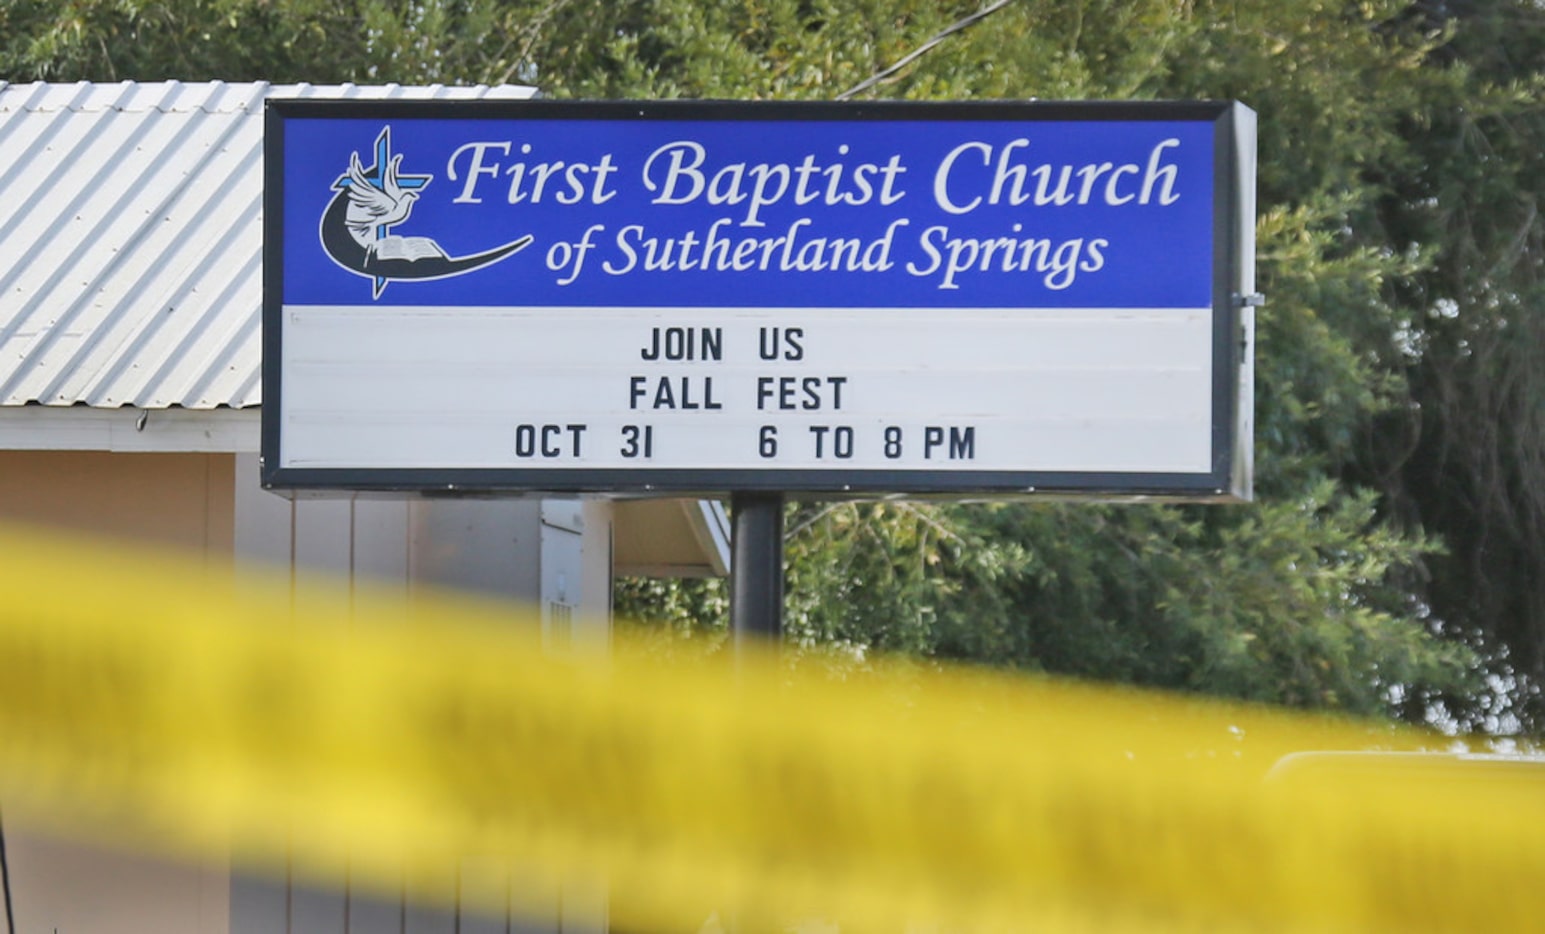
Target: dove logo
[{"x": 356, "y": 227}]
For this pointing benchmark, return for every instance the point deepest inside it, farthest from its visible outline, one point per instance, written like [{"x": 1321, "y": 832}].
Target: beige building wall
[
  {"x": 553, "y": 555},
  {"x": 184, "y": 500},
  {"x": 180, "y": 500},
  {"x": 557, "y": 554}
]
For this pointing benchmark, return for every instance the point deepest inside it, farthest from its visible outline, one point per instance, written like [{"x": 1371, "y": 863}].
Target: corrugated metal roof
[{"x": 131, "y": 238}]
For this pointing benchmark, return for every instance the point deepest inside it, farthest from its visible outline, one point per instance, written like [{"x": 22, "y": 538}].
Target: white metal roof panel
[{"x": 131, "y": 232}]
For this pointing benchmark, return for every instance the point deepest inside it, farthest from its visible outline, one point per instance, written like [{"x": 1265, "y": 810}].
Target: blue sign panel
[
  {"x": 790, "y": 213},
  {"x": 989, "y": 233}
]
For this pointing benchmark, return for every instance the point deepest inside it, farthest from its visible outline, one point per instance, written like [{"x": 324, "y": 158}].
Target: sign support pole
[
  {"x": 756, "y": 581},
  {"x": 756, "y": 566}
]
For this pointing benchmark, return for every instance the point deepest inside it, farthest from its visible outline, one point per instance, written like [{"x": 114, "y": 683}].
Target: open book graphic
[{"x": 408, "y": 248}]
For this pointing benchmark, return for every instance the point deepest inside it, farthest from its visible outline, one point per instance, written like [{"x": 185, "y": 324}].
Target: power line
[{"x": 923, "y": 49}]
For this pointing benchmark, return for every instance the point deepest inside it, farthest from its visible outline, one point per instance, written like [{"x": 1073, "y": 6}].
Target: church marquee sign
[{"x": 979, "y": 299}]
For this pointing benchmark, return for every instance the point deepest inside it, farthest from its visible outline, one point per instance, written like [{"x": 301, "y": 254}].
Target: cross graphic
[{"x": 375, "y": 174}]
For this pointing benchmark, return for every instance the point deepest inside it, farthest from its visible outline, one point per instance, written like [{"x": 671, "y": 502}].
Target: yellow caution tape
[{"x": 143, "y": 701}]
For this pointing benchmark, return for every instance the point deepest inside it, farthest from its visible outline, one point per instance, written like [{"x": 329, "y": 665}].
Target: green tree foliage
[
  {"x": 1463, "y": 455},
  {"x": 1399, "y": 363},
  {"x": 1307, "y": 597}
]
